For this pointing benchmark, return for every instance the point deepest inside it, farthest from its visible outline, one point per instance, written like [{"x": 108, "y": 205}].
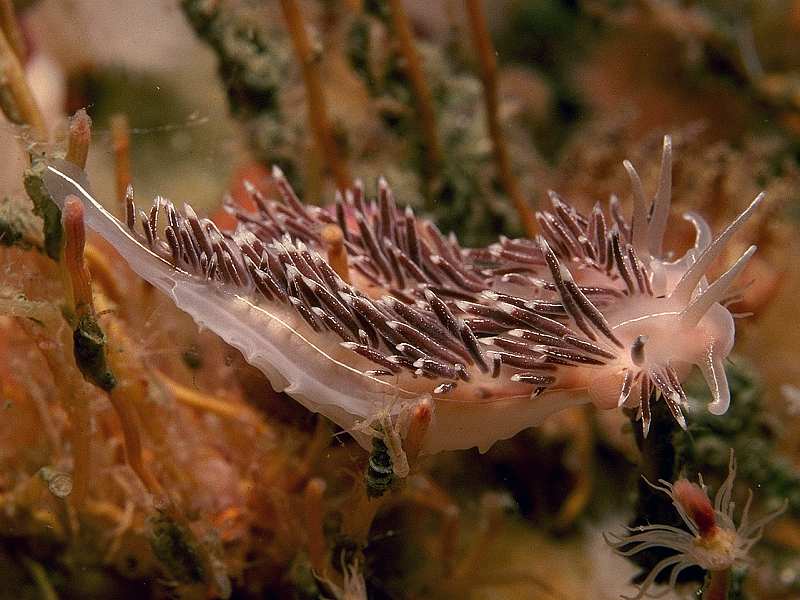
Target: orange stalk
[
  {"x": 297, "y": 477},
  {"x": 419, "y": 85},
  {"x": 422, "y": 490},
  {"x": 73, "y": 394},
  {"x": 80, "y": 136},
  {"x": 717, "y": 585},
  {"x": 10, "y": 27},
  {"x": 80, "y": 292},
  {"x": 417, "y": 429},
  {"x": 487, "y": 62},
  {"x": 129, "y": 393},
  {"x": 493, "y": 507},
  {"x": 133, "y": 441},
  {"x": 582, "y": 445},
  {"x": 16, "y": 97},
  {"x": 83, "y": 307},
  {"x": 315, "y": 96},
  {"x": 333, "y": 240},
  {"x": 314, "y": 514},
  {"x": 200, "y": 401},
  {"x": 121, "y": 142},
  {"x": 103, "y": 273}
]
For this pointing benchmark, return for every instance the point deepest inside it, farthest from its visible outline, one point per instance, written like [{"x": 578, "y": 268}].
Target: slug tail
[{"x": 63, "y": 179}]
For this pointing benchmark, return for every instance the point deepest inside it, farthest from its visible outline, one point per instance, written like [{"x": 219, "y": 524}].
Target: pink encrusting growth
[{"x": 497, "y": 338}]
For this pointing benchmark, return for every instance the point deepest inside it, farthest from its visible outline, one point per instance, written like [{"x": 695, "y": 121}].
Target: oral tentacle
[
  {"x": 713, "y": 370},
  {"x": 703, "y": 235}
]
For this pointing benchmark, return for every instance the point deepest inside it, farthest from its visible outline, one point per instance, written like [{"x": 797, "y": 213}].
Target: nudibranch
[{"x": 493, "y": 340}]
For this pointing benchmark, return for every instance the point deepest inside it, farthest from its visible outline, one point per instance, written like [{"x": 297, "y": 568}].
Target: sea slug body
[{"x": 495, "y": 338}]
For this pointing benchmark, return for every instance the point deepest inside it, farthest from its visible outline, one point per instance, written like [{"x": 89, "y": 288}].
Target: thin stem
[
  {"x": 73, "y": 394},
  {"x": 103, "y": 273},
  {"x": 583, "y": 447},
  {"x": 134, "y": 453},
  {"x": 487, "y": 62},
  {"x": 126, "y": 395},
  {"x": 333, "y": 240},
  {"x": 717, "y": 585},
  {"x": 417, "y": 430},
  {"x": 493, "y": 506},
  {"x": 317, "y": 109},
  {"x": 78, "y": 280},
  {"x": 121, "y": 142},
  {"x": 10, "y": 27},
  {"x": 80, "y": 136},
  {"x": 16, "y": 98},
  {"x": 314, "y": 516},
  {"x": 39, "y": 576},
  {"x": 358, "y": 521},
  {"x": 422, "y": 490},
  {"x": 412, "y": 65},
  {"x": 200, "y": 401},
  {"x": 297, "y": 477}
]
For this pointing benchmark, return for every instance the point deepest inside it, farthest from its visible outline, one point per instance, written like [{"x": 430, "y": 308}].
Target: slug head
[{"x": 684, "y": 323}]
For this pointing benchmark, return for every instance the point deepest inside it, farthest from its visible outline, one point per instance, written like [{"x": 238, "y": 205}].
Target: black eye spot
[{"x": 637, "y": 350}]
